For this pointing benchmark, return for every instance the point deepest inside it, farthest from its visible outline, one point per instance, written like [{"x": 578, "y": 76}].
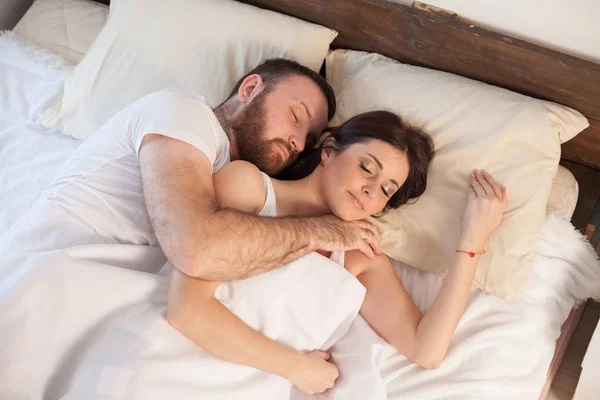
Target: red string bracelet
[{"x": 470, "y": 253}]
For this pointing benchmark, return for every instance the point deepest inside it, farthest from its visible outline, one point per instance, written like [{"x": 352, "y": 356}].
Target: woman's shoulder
[{"x": 240, "y": 185}]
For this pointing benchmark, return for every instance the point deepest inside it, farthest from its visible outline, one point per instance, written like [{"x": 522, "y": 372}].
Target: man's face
[{"x": 276, "y": 124}]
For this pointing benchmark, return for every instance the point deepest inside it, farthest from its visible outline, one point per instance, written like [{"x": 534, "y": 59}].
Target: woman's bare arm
[{"x": 424, "y": 338}]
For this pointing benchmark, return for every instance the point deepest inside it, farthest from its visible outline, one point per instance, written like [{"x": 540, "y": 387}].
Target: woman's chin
[{"x": 350, "y": 215}]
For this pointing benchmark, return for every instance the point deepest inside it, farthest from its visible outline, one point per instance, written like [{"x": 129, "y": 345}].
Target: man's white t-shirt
[{"x": 101, "y": 183}]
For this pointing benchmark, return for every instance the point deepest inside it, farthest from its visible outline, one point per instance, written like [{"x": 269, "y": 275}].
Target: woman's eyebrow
[{"x": 379, "y": 164}]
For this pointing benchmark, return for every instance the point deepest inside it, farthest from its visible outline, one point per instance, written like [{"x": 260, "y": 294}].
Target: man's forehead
[{"x": 308, "y": 94}]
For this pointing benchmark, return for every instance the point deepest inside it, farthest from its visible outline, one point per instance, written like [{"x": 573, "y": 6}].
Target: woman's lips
[{"x": 357, "y": 203}]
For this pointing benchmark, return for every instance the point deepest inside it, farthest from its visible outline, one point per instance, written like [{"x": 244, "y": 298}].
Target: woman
[{"x": 369, "y": 165}]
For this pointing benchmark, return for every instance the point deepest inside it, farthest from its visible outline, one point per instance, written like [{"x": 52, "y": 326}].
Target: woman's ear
[
  {"x": 327, "y": 151},
  {"x": 250, "y": 87}
]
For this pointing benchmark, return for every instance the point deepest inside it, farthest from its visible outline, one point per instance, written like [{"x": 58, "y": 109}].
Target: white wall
[
  {"x": 11, "y": 12},
  {"x": 569, "y": 26}
]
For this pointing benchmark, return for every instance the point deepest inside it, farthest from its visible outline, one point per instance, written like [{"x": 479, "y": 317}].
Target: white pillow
[
  {"x": 202, "y": 47},
  {"x": 307, "y": 304},
  {"x": 474, "y": 125},
  {"x": 65, "y": 27}
]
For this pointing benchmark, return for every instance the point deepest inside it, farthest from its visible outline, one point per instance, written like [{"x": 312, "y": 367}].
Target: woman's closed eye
[
  {"x": 366, "y": 168},
  {"x": 386, "y": 191}
]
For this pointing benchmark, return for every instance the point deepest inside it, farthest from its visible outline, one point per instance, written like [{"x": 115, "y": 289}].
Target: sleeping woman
[{"x": 371, "y": 164}]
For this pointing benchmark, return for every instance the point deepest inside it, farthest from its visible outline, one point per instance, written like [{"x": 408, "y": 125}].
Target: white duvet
[{"x": 106, "y": 322}]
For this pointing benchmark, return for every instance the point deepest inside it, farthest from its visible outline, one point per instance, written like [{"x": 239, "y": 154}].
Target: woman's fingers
[
  {"x": 484, "y": 183},
  {"x": 504, "y": 195},
  {"x": 492, "y": 182},
  {"x": 472, "y": 193},
  {"x": 477, "y": 186}
]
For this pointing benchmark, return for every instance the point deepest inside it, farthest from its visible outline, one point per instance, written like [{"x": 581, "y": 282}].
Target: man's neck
[{"x": 224, "y": 114}]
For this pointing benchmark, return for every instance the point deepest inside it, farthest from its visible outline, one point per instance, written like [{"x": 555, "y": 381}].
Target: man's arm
[{"x": 204, "y": 241}]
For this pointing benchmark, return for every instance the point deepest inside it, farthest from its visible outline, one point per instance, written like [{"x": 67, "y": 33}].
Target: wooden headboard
[
  {"x": 427, "y": 37},
  {"x": 439, "y": 41}
]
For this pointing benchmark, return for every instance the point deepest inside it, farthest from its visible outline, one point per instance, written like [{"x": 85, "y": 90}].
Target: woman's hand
[
  {"x": 314, "y": 374},
  {"x": 485, "y": 207}
]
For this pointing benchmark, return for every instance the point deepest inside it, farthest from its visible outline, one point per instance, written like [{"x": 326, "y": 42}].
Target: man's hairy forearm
[{"x": 239, "y": 245}]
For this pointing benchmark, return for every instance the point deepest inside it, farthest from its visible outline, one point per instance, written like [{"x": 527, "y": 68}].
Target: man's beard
[{"x": 249, "y": 128}]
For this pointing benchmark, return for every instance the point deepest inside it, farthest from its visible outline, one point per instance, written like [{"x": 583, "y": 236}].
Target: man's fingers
[
  {"x": 374, "y": 231},
  {"x": 366, "y": 249},
  {"x": 372, "y": 237},
  {"x": 374, "y": 245}
]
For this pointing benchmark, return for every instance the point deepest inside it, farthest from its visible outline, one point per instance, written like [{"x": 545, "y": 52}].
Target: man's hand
[
  {"x": 315, "y": 373},
  {"x": 335, "y": 234}
]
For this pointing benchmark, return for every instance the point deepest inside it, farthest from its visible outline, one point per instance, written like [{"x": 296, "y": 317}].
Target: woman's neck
[{"x": 300, "y": 198}]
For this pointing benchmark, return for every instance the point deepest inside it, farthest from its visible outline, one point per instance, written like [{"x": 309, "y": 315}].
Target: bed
[{"x": 424, "y": 37}]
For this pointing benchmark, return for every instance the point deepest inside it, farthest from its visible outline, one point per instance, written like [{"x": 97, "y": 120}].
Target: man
[{"x": 173, "y": 143}]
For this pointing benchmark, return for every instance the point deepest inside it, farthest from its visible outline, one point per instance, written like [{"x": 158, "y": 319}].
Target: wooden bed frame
[{"x": 434, "y": 38}]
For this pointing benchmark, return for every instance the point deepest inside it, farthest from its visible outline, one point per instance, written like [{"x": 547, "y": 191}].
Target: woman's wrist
[
  {"x": 290, "y": 364},
  {"x": 472, "y": 243}
]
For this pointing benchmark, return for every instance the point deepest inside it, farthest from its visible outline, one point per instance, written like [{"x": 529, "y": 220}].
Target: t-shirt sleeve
[{"x": 179, "y": 116}]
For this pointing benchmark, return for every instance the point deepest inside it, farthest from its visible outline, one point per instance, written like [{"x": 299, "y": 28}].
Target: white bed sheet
[
  {"x": 29, "y": 153},
  {"x": 501, "y": 349}
]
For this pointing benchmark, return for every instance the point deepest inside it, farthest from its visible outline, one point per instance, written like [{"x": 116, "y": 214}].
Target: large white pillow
[
  {"x": 65, "y": 27},
  {"x": 202, "y": 47},
  {"x": 474, "y": 125}
]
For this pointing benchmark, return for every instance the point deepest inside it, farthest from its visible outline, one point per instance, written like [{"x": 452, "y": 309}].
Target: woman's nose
[{"x": 368, "y": 191}]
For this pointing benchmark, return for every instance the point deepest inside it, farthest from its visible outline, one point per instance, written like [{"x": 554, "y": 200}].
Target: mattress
[{"x": 501, "y": 349}]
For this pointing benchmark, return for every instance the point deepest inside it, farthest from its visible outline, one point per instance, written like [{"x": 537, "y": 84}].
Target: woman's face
[{"x": 359, "y": 181}]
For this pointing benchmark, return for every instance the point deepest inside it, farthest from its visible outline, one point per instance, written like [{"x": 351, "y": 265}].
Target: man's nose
[{"x": 297, "y": 144}]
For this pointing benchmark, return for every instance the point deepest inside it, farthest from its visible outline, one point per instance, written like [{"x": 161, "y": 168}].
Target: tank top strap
[
  {"x": 270, "y": 207},
  {"x": 339, "y": 257}
]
